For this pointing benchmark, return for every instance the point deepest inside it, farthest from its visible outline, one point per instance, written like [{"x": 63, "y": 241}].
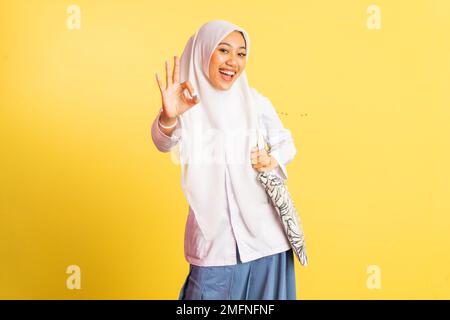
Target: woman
[{"x": 234, "y": 241}]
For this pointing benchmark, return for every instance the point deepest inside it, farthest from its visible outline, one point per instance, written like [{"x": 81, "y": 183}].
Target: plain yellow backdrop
[{"x": 82, "y": 183}]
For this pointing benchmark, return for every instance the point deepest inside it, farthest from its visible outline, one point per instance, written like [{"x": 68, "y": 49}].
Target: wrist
[{"x": 166, "y": 120}]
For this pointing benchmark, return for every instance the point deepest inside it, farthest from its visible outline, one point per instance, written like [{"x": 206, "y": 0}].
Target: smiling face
[{"x": 228, "y": 61}]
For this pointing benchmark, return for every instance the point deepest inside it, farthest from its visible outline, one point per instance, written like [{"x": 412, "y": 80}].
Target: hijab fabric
[{"x": 218, "y": 133}]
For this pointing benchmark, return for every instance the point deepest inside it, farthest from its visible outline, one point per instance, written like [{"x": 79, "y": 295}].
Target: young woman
[{"x": 234, "y": 242}]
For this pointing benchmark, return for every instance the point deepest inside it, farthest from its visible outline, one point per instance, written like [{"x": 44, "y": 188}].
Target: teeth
[{"x": 230, "y": 73}]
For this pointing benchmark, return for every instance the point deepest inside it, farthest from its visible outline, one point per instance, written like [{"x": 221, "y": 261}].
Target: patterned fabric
[{"x": 284, "y": 205}]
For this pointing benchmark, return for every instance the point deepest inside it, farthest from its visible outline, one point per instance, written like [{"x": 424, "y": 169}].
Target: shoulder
[
  {"x": 262, "y": 103},
  {"x": 258, "y": 96}
]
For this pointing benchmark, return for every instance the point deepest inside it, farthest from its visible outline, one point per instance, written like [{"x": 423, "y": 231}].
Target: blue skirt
[{"x": 267, "y": 278}]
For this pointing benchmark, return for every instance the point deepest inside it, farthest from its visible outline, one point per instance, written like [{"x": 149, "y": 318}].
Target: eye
[{"x": 242, "y": 54}]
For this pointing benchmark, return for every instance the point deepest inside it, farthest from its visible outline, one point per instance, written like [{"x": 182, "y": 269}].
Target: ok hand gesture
[{"x": 174, "y": 101}]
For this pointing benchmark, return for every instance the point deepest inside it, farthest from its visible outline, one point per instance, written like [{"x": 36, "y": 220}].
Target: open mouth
[{"x": 227, "y": 75}]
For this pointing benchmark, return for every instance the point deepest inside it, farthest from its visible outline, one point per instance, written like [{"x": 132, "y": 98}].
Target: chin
[{"x": 224, "y": 86}]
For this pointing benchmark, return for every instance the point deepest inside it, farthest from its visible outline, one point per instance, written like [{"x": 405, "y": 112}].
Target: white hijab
[{"x": 217, "y": 132}]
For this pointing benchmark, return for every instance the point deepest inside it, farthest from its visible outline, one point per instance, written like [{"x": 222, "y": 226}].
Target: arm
[
  {"x": 174, "y": 104},
  {"x": 163, "y": 141},
  {"x": 277, "y": 136}
]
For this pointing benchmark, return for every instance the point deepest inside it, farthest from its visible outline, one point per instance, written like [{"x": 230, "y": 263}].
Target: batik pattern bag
[
  {"x": 284, "y": 205},
  {"x": 278, "y": 192}
]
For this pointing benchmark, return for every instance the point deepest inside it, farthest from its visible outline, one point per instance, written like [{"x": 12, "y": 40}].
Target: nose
[{"x": 231, "y": 62}]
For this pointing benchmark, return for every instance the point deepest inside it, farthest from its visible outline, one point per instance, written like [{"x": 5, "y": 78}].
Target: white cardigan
[{"x": 221, "y": 251}]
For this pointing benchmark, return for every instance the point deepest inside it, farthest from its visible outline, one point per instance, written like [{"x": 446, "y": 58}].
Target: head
[{"x": 229, "y": 56}]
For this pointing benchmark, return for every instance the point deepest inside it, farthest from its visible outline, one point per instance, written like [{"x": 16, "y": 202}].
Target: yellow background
[{"x": 83, "y": 184}]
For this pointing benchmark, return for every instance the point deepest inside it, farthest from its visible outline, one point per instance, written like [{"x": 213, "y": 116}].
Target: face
[{"x": 228, "y": 61}]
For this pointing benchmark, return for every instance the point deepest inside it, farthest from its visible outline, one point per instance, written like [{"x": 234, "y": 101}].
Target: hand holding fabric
[{"x": 262, "y": 160}]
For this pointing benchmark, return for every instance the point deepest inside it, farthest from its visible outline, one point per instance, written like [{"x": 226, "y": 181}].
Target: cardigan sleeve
[
  {"x": 279, "y": 138},
  {"x": 163, "y": 142}
]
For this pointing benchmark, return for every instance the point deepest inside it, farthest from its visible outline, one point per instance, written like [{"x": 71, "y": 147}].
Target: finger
[
  {"x": 263, "y": 163},
  {"x": 266, "y": 166},
  {"x": 160, "y": 84},
  {"x": 168, "y": 75},
  {"x": 258, "y": 165},
  {"x": 176, "y": 70},
  {"x": 259, "y": 156},
  {"x": 262, "y": 156},
  {"x": 194, "y": 100},
  {"x": 260, "y": 168},
  {"x": 187, "y": 85}
]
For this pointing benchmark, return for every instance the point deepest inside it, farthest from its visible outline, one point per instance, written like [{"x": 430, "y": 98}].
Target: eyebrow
[{"x": 231, "y": 45}]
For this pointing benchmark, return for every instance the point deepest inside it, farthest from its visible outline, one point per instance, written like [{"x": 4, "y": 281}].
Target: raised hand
[{"x": 174, "y": 101}]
